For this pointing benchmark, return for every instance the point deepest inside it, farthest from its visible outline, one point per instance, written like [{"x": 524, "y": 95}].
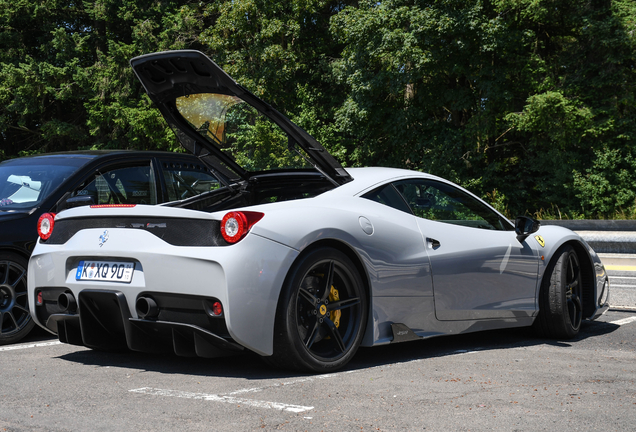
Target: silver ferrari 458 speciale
[{"x": 291, "y": 256}]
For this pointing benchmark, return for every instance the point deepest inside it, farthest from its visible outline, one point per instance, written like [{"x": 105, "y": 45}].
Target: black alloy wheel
[
  {"x": 573, "y": 292},
  {"x": 322, "y": 314},
  {"x": 15, "y": 318},
  {"x": 560, "y": 298}
]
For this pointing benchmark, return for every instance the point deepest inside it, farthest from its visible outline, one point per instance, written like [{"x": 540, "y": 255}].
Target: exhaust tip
[
  {"x": 66, "y": 301},
  {"x": 146, "y": 308}
]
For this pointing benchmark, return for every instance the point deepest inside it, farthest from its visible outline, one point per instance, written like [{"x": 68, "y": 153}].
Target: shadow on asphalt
[
  {"x": 37, "y": 335},
  {"x": 479, "y": 341},
  {"x": 250, "y": 366}
]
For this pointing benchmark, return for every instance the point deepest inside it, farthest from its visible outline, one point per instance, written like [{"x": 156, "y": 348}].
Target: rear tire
[
  {"x": 15, "y": 318},
  {"x": 322, "y": 313},
  {"x": 560, "y": 298}
]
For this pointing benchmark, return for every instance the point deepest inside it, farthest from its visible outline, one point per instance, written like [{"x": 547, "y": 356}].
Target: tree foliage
[
  {"x": 508, "y": 96},
  {"x": 531, "y": 103},
  {"x": 65, "y": 80}
]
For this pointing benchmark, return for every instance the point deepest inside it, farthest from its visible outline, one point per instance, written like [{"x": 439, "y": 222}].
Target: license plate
[{"x": 109, "y": 271}]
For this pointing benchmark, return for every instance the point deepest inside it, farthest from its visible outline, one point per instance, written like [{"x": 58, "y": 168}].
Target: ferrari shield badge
[{"x": 540, "y": 240}]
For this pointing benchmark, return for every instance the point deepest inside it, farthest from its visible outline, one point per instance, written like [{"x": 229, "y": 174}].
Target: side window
[
  {"x": 121, "y": 185},
  {"x": 442, "y": 202},
  {"x": 185, "y": 180},
  {"x": 387, "y": 195}
]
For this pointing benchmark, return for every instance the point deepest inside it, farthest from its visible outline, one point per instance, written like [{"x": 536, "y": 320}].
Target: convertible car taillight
[
  {"x": 235, "y": 225},
  {"x": 45, "y": 225}
]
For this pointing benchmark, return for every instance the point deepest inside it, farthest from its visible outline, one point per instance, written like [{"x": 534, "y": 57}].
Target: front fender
[{"x": 596, "y": 281}]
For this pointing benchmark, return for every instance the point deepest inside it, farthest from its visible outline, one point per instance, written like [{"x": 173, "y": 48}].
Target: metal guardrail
[
  {"x": 604, "y": 236},
  {"x": 594, "y": 225}
]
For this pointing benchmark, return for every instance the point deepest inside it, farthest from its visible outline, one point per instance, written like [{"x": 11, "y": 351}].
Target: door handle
[{"x": 432, "y": 243}]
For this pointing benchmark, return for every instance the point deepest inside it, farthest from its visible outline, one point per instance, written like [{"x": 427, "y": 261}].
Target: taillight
[
  {"x": 235, "y": 225},
  {"x": 45, "y": 225}
]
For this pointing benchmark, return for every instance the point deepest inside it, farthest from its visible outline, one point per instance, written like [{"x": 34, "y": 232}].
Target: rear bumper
[{"x": 104, "y": 322}]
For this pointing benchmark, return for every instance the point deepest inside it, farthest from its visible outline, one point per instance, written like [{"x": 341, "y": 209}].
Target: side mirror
[{"x": 524, "y": 226}]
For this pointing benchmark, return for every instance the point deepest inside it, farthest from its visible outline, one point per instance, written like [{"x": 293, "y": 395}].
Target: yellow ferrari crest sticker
[{"x": 540, "y": 240}]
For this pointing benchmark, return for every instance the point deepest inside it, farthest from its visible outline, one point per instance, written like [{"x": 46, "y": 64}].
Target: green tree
[
  {"x": 509, "y": 95},
  {"x": 282, "y": 52},
  {"x": 580, "y": 110},
  {"x": 609, "y": 186},
  {"x": 530, "y": 102},
  {"x": 65, "y": 80}
]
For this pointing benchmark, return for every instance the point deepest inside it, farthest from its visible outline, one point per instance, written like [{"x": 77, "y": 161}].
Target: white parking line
[
  {"x": 225, "y": 399},
  {"x": 35, "y": 345},
  {"x": 624, "y": 321},
  {"x": 229, "y": 397},
  {"x": 288, "y": 383},
  {"x": 623, "y": 286}
]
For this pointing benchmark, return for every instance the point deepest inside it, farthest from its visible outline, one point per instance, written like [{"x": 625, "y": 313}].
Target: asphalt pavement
[{"x": 501, "y": 380}]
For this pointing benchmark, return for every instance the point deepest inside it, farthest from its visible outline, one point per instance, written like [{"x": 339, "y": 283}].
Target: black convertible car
[{"x": 50, "y": 183}]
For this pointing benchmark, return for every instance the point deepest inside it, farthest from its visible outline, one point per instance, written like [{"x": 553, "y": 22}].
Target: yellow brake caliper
[{"x": 334, "y": 315}]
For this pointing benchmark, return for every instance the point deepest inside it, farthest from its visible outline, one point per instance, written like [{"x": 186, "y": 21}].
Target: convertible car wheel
[
  {"x": 322, "y": 313},
  {"x": 560, "y": 304},
  {"x": 15, "y": 319}
]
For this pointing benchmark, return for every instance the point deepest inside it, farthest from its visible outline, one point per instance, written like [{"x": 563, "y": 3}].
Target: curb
[{"x": 622, "y": 308}]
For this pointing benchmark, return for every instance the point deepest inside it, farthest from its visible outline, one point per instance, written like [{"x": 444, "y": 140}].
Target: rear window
[{"x": 252, "y": 140}]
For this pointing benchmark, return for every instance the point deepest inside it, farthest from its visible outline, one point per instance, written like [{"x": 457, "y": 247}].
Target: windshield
[
  {"x": 240, "y": 131},
  {"x": 23, "y": 187}
]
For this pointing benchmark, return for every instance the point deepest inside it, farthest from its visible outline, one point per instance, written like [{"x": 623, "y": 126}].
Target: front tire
[
  {"x": 560, "y": 298},
  {"x": 322, "y": 313},
  {"x": 15, "y": 318}
]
